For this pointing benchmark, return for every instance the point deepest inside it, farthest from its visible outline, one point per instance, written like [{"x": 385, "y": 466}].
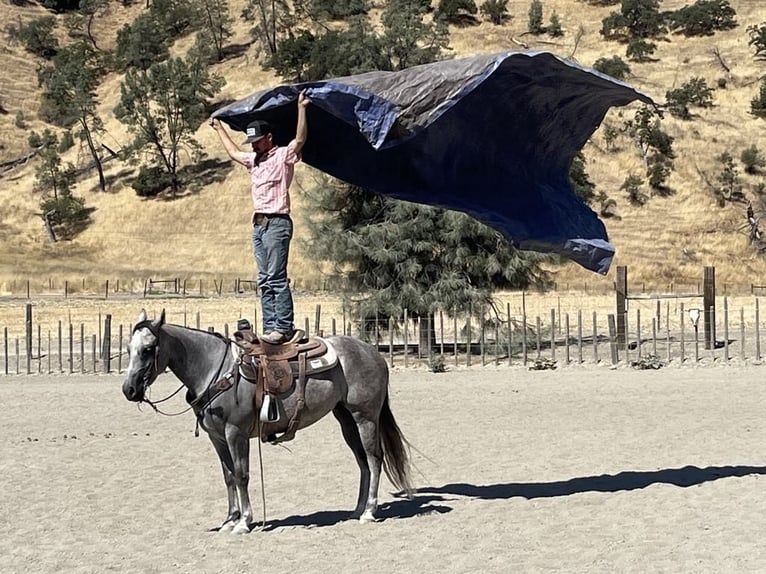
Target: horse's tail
[{"x": 396, "y": 451}]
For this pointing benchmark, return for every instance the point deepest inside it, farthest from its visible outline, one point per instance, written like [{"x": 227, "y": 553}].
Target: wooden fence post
[
  {"x": 726, "y": 329},
  {"x": 683, "y": 345},
  {"x": 106, "y": 354},
  {"x": 621, "y": 292},
  {"x": 553, "y": 335},
  {"x": 613, "y": 339},
  {"x": 595, "y": 338},
  {"x": 708, "y": 304},
  {"x": 757, "y": 332},
  {"x": 28, "y": 335}
]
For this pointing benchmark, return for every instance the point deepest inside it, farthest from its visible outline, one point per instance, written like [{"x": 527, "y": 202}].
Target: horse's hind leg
[{"x": 350, "y": 432}]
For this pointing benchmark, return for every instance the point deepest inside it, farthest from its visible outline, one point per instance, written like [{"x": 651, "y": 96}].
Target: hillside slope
[{"x": 205, "y": 233}]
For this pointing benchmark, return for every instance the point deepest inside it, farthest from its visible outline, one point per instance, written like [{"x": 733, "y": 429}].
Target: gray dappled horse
[{"x": 355, "y": 390}]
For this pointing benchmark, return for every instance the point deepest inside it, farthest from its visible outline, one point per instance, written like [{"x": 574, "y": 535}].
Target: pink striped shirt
[{"x": 271, "y": 177}]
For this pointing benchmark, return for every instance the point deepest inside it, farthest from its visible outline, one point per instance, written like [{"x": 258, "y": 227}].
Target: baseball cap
[{"x": 256, "y": 130}]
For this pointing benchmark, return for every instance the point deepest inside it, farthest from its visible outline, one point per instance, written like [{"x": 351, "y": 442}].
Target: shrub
[
  {"x": 20, "y": 122},
  {"x": 614, "y": 66},
  {"x": 639, "y": 49},
  {"x": 151, "y": 181},
  {"x": 729, "y": 180},
  {"x": 694, "y": 92},
  {"x": 583, "y": 187},
  {"x": 340, "y": 9},
  {"x": 436, "y": 364},
  {"x": 495, "y": 10},
  {"x": 752, "y": 159},
  {"x": 757, "y": 40},
  {"x": 66, "y": 143},
  {"x": 758, "y": 104},
  {"x": 456, "y": 11},
  {"x": 535, "y": 25},
  {"x": 632, "y": 186},
  {"x": 658, "y": 171},
  {"x": 67, "y": 212},
  {"x": 554, "y": 28},
  {"x": 37, "y": 36}
]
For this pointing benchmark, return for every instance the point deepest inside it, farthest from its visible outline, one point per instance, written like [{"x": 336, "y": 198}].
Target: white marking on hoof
[
  {"x": 227, "y": 526},
  {"x": 241, "y": 528},
  {"x": 367, "y": 517}
]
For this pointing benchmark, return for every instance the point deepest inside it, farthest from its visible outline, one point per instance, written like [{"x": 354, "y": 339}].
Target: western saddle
[{"x": 280, "y": 370}]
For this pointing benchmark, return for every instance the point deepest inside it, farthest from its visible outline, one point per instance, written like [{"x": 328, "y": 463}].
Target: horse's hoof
[
  {"x": 241, "y": 528},
  {"x": 367, "y": 517},
  {"x": 227, "y": 526}
]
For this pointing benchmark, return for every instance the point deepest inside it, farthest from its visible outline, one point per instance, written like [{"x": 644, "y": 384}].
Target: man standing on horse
[{"x": 271, "y": 173}]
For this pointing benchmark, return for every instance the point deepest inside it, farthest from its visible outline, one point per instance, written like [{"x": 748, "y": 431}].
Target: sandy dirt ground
[{"x": 575, "y": 470}]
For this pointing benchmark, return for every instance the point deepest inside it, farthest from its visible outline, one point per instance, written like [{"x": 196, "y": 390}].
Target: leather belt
[{"x": 263, "y": 219}]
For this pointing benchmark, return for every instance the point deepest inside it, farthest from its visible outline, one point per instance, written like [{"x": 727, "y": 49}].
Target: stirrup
[{"x": 269, "y": 410}]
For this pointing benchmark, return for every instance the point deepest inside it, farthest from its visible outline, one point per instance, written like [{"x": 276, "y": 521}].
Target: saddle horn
[{"x": 269, "y": 410}]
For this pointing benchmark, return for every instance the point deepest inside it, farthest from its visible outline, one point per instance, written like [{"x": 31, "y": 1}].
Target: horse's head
[{"x": 146, "y": 361}]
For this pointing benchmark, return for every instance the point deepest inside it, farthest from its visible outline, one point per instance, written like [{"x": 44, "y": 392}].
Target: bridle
[{"x": 212, "y": 390}]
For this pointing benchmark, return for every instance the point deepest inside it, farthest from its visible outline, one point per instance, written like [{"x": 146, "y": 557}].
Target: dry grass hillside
[{"x": 205, "y": 234}]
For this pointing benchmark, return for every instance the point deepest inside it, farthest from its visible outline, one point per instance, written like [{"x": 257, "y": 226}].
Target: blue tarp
[{"x": 490, "y": 135}]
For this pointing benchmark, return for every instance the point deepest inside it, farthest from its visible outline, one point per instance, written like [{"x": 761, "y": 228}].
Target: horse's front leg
[
  {"x": 239, "y": 447},
  {"x": 227, "y": 466}
]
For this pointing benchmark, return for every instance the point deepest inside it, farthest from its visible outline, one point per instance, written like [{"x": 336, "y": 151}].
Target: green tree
[
  {"x": 272, "y": 20},
  {"x": 636, "y": 19},
  {"x": 695, "y": 92},
  {"x": 554, "y": 27},
  {"x": 165, "y": 105},
  {"x": 307, "y": 57},
  {"x": 643, "y": 18},
  {"x": 69, "y": 96},
  {"x": 142, "y": 43},
  {"x": 535, "y": 22},
  {"x": 757, "y": 33},
  {"x": 496, "y": 11},
  {"x": 215, "y": 24},
  {"x": 82, "y": 23},
  {"x": 703, "y": 18},
  {"x": 456, "y": 11},
  {"x": 647, "y": 133},
  {"x": 408, "y": 39}
]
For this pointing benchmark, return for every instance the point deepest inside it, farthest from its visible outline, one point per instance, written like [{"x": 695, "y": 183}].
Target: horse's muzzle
[{"x": 133, "y": 392}]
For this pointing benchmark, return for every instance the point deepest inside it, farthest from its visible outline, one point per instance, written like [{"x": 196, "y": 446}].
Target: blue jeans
[{"x": 271, "y": 246}]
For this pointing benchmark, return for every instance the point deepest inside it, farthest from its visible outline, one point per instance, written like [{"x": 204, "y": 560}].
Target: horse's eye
[{"x": 146, "y": 351}]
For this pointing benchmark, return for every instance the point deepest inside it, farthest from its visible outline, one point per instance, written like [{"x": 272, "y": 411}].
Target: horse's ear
[
  {"x": 142, "y": 316},
  {"x": 162, "y": 318}
]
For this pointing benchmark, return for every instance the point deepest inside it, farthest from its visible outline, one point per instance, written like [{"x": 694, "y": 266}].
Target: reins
[{"x": 170, "y": 396}]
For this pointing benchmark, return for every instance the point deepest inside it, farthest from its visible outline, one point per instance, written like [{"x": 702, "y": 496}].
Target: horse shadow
[{"x": 436, "y": 499}]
